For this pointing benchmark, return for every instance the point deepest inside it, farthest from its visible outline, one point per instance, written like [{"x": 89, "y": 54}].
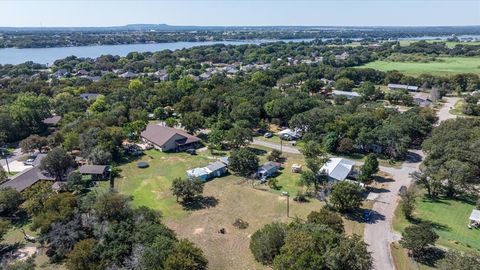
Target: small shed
[
  {"x": 216, "y": 169},
  {"x": 296, "y": 168},
  {"x": 96, "y": 171},
  {"x": 475, "y": 218}
]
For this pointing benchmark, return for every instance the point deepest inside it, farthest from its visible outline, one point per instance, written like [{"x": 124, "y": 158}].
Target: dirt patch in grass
[{"x": 236, "y": 199}]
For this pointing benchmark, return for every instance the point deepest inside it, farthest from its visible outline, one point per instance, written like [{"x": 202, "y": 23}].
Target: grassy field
[
  {"x": 449, "y": 219},
  {"x": 448, "y": 66},
  {"x": 229, "y": 198},
  {"x": 450, "y": 44}
]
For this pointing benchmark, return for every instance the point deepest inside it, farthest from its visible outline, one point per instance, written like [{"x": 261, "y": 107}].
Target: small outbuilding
[
  {"x": 268, "y": 169},
  {"x": 96, "y": 171},
  {"x": 296, "y": 168},
  {"x": 199, "y": 173}
]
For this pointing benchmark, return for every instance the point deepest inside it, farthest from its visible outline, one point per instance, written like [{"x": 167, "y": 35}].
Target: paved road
[
  {"x": 378, "y": 234},
  {"x": 444, "y": 112},
  {"x": 285, "y": 148}
]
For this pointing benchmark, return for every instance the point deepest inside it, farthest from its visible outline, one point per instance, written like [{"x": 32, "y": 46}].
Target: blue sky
[{"x": 239, "y": 12}]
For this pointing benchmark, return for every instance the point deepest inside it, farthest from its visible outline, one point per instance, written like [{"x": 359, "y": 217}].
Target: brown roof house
[{"x": 169, "y": 139}]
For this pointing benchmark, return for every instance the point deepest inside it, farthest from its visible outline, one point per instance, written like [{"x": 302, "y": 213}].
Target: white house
[{"x": 338, "y": 169}]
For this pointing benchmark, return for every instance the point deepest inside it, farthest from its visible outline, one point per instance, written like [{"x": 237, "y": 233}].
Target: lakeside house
[
  {"x": 338, "y": 169},
  {"x": 168, "y": 139},
  {"x": 394, "y": 86}
]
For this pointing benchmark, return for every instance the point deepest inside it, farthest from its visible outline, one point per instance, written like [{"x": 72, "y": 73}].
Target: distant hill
[{"x": 165, "y": 27}]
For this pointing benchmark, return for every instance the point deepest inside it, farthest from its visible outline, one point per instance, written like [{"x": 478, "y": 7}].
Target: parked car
[
  {"x": 286, "y": 137},
  {"x": 367, "y": 215},
  {"x": 29, "y": 162},
  {"x": 268, "y": 135}
]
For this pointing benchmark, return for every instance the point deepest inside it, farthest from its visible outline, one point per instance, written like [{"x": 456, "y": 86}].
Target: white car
[{"x": 29, "y": 162}]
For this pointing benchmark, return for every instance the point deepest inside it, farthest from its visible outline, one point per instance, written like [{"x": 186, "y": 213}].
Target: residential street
[
  {"x": 378, "y": 233},
  {"x": 286, "y": 147}
]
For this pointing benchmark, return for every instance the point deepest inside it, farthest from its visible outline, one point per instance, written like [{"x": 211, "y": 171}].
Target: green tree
[
  {"x": 154, "y": 255},
  {"x": 76, "y": 183},
  {"x": 100, "y": 156},
  {"x": 10, "y": 200},
  {"x": 186, "y": 256},
  {"x": 368, "y": 169},
  {"x": 266, "y": 243},
  {"x": 4, "y": 227},
  {"x": 275, "y": 155},
  {"x": 407, "y": 204},
  {"x": 460, "y": 261},
  {"x": 57, "y": 163},
  {"x": 344, "y": 84},
  {"x": 36, "y": 196},
  {"x": 186, "y": 189},
  {"x": 3, "y": 175},
  {"x": 32, "y": 143},
  {"x": 135, "y": 85},
  {"x": 244, "y": 162},
  {"x": 330, "y": 142},
  {"x": 192, "y": 121},
  {"x": 57, "y": 208},
  {"x": 350, "y": 253},
  {"x": 237, "y": 137},
  {"x": 417, "y": 238},
  {"x": 83, "y": 257},
  {"x": 112, "y": 206},
  {"x": 346, "y": 196},
  {"x": 328, "y": 218}
]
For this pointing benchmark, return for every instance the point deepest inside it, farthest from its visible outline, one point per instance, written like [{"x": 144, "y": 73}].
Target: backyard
[
  {"x": 446, "y": 66},
  {"x": 225, "y": 200},
  {"x": 449, "y": 218}
]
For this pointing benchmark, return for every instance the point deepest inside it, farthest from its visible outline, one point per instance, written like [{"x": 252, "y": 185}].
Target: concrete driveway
[{"x": 285, "y": 147}]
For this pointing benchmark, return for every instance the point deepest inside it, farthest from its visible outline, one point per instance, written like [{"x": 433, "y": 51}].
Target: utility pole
[
  {"x": 288, "y": 205},
  {"x": 6, "y": 160}
]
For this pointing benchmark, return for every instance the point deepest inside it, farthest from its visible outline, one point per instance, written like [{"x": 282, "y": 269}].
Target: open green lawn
[
  {"x": 449, "y": 218},
  {"x": 448, "y": 65}
]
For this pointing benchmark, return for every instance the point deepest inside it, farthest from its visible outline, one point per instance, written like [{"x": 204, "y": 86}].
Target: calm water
[{"x": 49, "y": 55}]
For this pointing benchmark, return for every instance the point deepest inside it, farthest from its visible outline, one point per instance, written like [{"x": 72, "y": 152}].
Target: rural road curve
[{"x": 378, "y": 233}]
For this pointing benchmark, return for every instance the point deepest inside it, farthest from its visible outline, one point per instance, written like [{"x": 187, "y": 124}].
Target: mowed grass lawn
[
  {"x": 234, "y": 197},
  {"x": 449, "y": 218},
  {"x": 447, "y": 66}
]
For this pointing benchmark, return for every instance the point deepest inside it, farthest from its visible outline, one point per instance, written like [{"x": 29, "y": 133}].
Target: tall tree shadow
[{"x": 200, "y": 202}]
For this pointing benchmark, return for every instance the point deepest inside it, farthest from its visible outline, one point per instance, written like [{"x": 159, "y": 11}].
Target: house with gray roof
[
  {"x": 348, "y": 95},
  {"x": 29, "y": 177},
  {"x": 338, "y": 169}
]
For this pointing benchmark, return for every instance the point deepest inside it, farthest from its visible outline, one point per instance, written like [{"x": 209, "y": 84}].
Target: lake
[{"x": 49, "y": 55}]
